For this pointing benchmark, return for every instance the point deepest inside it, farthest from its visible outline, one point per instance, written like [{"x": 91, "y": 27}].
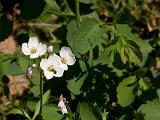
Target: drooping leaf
[
  {"x": 19, "y": 111},
  {"x": 126, "y": 91}
]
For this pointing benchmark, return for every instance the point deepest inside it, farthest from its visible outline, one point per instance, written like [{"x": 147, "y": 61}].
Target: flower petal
[
  {"x": 62, "y": 107},
  {"x": 48, "y": 74},
  {"x": 67, "y": 55},
  {"x": 55, "y": 60},
  {"x": 42, "y": 49},
  {"x": 33, "y": 42},
  {"x": 35, "y": 55},
  {"x": 59, "y": 72},
  {"x": 25, "y": 49},
  {"x": 44, "y": 64},
  {"x": 64, "y": 66}
]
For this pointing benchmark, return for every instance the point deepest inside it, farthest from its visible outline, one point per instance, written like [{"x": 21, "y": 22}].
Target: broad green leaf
[
  {"x": 125, "y": 91},
  {"x": 24, "y": 62},
  {"x": 19, "y": 111},
  {"x": 75, "y": 85},
  {"x": 14, "y": 69},
  {"x": 150, "y": 110},
  {"x": 50, "y": 112},
  {"x": 102, "y": 59},
  {"x": 46, "y": 96},
  {"x": 125, "y": 31},
  {"x": 88, "y": 111},
  {"x": 72, "y": 27},
  {"x": 87, "y": 36}
]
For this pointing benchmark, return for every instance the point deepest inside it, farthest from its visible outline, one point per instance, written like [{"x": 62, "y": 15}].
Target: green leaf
[
  {"x": 125, "y": 91},
  {"x": 35, "y": 90},
  {"x": 14, "y": 69},
  {"x": 4, "y": 63},
  {"x": 133, "y": 56},
  {"x": 52, "y": 6},
  {"x": 46, "y": 96},
  {"x": 144, "y": 83},
  {"x": 87, "y": 36},
  {"x": 150, "y": 110},
  {"x": 88, "y": 111},
  {"x": 50, "y": 111},
  {"x": 75, "y": 85},
  {"x": 19, "y": 111},
  {"x": 144, "y": 46},
  {"x": 123, "y": 55},
  {"x": 24, "y": 62}
]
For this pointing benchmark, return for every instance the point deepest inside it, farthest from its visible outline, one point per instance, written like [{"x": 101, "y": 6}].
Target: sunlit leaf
[
  {"x": 126, "y": 91},
  {"x": 150, "y": 110}
]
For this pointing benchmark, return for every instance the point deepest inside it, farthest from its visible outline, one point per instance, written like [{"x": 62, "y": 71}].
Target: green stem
[
  {"x": 41, "y": 93},
  {"x": 77, "y": 13}
]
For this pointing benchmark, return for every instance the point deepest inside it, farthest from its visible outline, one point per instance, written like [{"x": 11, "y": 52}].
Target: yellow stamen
[
  {"x": 51, "y": 69},
  {"x": 33, "y": 50},
  {"x": 63, "y": 60}
]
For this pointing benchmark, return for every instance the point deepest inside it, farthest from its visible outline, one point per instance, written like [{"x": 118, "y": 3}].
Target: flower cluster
[{"x": 54, "y": 65}]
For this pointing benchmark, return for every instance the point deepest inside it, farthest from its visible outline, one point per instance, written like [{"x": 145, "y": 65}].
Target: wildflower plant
[{"x": 51, "y": 65}]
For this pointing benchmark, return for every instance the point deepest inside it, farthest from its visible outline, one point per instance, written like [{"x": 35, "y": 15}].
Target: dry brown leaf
[
  {"x": 8, "y": 46},
  {"x": 18, "y": 84}
]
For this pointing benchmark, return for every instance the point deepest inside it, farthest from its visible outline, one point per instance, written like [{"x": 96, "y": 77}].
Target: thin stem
[
  {"x": 41, "y": 93},
  {"x": 77, "y": 13}
]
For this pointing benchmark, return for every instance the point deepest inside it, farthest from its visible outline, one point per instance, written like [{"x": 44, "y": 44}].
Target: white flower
[
  {"x": 34, "y": 48},
  {"x": 62, "y": 106},
  {"x": 67, "y": 57},
  {"x": 50, "y": 49},
  {"x": 51, "y": 67}
]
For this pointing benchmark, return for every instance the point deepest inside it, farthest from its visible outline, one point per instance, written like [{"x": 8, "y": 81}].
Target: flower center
[
  {"x": 63, "y": 60},
  {"x": 33, "y": 50},
  {"x": 51, "y": 69}
]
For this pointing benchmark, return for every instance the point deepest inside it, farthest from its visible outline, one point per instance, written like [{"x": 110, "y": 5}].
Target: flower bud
[{"x": 62, "y": 105}]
